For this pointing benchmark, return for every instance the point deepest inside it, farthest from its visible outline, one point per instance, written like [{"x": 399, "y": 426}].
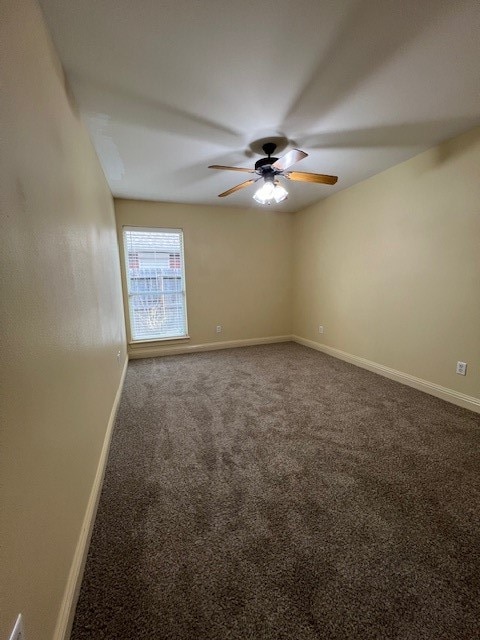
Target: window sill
[{"x": 134, "y": 343}]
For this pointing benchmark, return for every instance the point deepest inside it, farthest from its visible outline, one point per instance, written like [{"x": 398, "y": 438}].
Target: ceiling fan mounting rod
[{"x": 262, "y": 166}]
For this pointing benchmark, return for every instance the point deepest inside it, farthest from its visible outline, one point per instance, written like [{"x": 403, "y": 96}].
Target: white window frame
[{"x": 128, "y": 308}]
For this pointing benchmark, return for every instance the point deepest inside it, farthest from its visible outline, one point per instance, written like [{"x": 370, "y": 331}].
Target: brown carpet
[{"x": 274, "y": 492}]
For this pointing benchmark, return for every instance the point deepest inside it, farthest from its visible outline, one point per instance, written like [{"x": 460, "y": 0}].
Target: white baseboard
[
  {"x": 72, "y": 589},
  {"x": 158, "y": 350},
  {"x": 450, "y": 395}
]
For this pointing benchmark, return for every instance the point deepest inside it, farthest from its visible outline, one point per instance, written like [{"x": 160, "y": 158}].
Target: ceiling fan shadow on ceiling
[{"x": 269, "y": 169}]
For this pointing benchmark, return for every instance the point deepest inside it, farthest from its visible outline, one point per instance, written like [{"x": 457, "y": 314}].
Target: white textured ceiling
[{"x": 169, "y": 87}]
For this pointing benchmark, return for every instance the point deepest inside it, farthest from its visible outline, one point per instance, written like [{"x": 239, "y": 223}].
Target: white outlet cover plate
[{"x": 462, "y": 368}]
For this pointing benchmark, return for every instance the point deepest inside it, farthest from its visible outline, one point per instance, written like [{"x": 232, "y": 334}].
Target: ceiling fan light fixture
[
  {"x": 270, "y": 192},
  {"x": 269, "y": 169}
]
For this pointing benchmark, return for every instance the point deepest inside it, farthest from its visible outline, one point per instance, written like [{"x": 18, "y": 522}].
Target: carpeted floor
[{"x": 274, "y": 492}]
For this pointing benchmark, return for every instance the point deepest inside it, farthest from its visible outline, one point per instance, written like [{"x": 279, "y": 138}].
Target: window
[{"x": 155, "y": 274}]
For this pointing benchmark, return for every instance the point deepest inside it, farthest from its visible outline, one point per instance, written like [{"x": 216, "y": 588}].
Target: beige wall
[
  {"x": 391, "y": 267},
  {"x": 237, "y": 262},
  {"x": 61, "y": 322}
]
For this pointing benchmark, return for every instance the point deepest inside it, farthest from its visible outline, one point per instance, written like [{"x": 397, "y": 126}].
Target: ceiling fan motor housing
[{"x": 264, "y": 162}]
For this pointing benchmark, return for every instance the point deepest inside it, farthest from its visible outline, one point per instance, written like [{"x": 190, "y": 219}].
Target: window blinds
[{"x": 154, "y": 268}]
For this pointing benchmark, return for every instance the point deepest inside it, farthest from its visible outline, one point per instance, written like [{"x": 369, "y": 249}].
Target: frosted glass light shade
[{"x": 280, "y": 193}]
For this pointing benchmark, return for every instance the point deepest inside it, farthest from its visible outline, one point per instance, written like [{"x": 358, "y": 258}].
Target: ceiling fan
[{"x": 269, "y": 169}]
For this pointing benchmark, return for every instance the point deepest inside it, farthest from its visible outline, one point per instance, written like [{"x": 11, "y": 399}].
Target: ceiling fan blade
[
  {"x": 293, "y": 156},
  {"x": 221, "y": 166},
  {"x": 242, "y": 185},
  {"x": 319, "y": 178}
]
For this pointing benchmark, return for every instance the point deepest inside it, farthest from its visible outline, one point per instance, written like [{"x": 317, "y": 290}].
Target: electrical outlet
[
  {"x": 461, "y": 368},
  {"x": 320, "y": 328},
  {"x": 218, "y": 328},
  {"x": 18, "y": 633}
]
